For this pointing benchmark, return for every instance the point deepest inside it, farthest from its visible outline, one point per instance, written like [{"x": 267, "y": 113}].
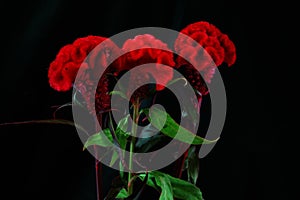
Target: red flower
[
  {"x": 142, "y": 49},
  {"x": 85, "y": 53},
  {"x": 59, "y": 78},
  {"x": 64, "y": 68},
  {"x": 148, "y": 49},
  {"x": 229, "y": 48},
  {"x": 216, "y": 44}
]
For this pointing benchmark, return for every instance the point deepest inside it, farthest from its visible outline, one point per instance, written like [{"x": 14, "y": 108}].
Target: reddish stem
[
  {"x": 181, "y": 164},
  {"x": 98, "y": 164}
]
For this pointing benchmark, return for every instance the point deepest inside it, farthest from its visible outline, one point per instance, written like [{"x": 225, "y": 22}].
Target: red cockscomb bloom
[
  {"x": 146, "y": 49},
  {"x": 64, "y": 68},
  {"x": 216, "y": 44},
  {"x": 85, "y": 53},
  {"x": 89, "y": 80}
]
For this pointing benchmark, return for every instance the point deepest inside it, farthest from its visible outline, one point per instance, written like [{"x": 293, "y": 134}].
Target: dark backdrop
[{"x": 47, "y": 162}]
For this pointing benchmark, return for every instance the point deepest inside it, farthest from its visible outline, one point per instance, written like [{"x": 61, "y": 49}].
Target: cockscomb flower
[
  {"x": 84, "y": 53},
  {"x": 144, "y": 49},
  {"x": 214, "y": 46},
  {"x": 95, "y": 78},
  {"x": 63, "y": 70}
]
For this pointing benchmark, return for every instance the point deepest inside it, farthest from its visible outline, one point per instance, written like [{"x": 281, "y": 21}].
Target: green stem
[{"x": 132, "y": 143}]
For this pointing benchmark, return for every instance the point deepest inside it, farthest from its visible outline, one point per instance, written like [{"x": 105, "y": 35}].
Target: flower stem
[
  {"x": 130, "y": 185},
  {"x": 98, "y": 166},
  {"x": 132, "y": 143}
]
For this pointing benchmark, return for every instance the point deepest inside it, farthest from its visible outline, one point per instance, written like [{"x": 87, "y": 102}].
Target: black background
[{"x": 47, "y": 162}]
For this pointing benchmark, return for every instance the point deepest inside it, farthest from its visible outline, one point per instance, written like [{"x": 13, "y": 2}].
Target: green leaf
[
  {"x": 146, "y": 144},
  {"x": 103, "y": 138},
  {"x": 148, "y": 138},
  {"x": 168, "y": 126},
  {"x": 150, "y": 180},
  {"x": 160, "y": 181},
  {"x": 181, "y": 189},
  {"x": 185, "y": 190},
  {"x": 115, "y": 188},
  {"x": 121, "y": 94},
  {"x": 166, "y": 188},
  {"x": 123, "y": 123},
  {"x": 114, "y": 158},
  {"x": 122, "y": 138},
  {"x": 122, "y": 194},
  {"x": 120, "y": 132},
  {"x": 121, "y": 169},
  {"x": 192, "y": 165}
]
